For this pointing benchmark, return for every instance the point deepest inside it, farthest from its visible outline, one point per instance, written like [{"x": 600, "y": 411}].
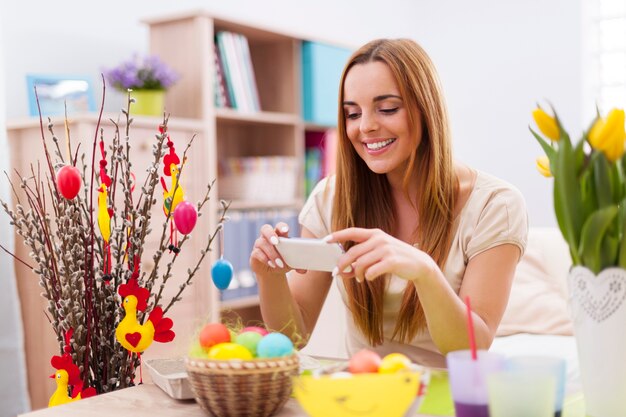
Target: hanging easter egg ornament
[
  {"x": 185, "y": 217},
  {"x": 222, "y": 270},
  {"x": 222, "y": 273},
  {"x": 68, "y": 181}
]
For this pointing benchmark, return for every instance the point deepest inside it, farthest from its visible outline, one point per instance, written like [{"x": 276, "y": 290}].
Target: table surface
[{"x": 146, "y": 400}]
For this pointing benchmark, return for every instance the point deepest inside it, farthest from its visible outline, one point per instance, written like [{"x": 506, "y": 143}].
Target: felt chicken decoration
[
  {"x": 104, "y": 212},
  {"x": 175, "y": 194},
  {"x": 67, "y": 374},
  {"x": 131, "y": 334}
]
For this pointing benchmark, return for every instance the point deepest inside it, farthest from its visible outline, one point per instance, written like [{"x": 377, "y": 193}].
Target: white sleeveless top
[{"x": 494, "y": 214}]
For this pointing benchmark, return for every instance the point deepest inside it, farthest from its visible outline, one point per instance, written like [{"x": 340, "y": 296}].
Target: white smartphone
[{"x": 309, "y": 254}]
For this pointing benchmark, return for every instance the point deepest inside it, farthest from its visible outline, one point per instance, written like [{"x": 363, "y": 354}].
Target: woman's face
[{"x": 377, "y": 121}]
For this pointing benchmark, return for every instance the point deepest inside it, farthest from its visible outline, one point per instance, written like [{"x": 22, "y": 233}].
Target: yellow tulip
[
  {"x": 546, "y": 123},
  {"x": 608, "y": 135},
  {"x": 543, "y": 166}
]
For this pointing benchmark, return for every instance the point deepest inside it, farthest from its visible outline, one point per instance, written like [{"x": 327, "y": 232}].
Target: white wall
[{"x": 13, "y": 394}]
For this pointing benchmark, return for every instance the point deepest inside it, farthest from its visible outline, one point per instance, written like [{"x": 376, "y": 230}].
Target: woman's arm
[
  {"x": 293, "y": 305},
  {"x": 487, "y": 281}
]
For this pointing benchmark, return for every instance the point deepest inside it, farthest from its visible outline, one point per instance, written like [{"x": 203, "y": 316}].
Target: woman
[{"x": 422, "y": 232}]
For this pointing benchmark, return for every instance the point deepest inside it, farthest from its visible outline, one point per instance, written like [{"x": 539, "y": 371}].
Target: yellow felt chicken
[
  {"x": 131, "y": 334},
  {"x": 104, "y": 217},
  {"x": 67, "y": 374},
  {"x": 175, "y": 194}
]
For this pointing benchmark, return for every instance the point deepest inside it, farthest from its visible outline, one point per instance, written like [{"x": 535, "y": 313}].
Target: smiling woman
[{"x": 421, "y": 231}]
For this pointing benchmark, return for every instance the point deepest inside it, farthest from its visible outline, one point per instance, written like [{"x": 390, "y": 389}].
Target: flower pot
[
  {"x": 148, "y": 102},
  {"x": 598, "y": 308}
]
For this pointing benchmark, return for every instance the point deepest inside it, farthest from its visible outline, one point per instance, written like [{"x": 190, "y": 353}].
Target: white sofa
[{"x": 536, "y": 320}]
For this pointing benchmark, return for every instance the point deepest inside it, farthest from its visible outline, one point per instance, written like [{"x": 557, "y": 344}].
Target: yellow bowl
[{"x": 367, "y": 395}]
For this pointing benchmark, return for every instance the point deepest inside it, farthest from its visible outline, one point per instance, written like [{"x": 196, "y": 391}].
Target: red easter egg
[
  {"x": 68, "y": 181},
  {"x": 364, "y": 361},
  {"x": 257, "y": 329},
  {"x": 212, "y": 334},
  {"x": 185, "y": 217}
]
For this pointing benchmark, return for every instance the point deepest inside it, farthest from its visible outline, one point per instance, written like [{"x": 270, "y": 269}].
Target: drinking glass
[
  {"x": 548, "y": 364},
  {"x": 468, "y": 383},
  {"x": 521, "y": 393}
]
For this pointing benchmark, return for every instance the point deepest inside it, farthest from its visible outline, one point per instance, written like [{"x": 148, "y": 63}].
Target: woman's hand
[
  {"x": 376, "y": 253},
  {"x": 265, "y": 259}
]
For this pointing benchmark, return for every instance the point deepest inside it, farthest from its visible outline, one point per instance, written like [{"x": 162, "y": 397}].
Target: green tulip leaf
[
  {"x": 608, "y": 252},
  {"x": 621, "y": 261},
  {"x": 592, "y": 235},
  {"x": 547, "y": 148},
  {"x": 602, "y": 180},
  {"x": 567, "y": 189}
]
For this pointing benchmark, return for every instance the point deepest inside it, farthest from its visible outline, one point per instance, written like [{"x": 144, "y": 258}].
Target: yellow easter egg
[
  {"x": 226, "y": 351},
  {"x": 393, "y": 363}
]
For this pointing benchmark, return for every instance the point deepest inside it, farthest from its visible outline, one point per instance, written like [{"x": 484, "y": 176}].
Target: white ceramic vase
[{"x": 598, "y": 308}]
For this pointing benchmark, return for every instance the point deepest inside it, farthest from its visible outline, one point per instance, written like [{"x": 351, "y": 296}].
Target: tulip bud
[
  {"x": 546, "y": 123},
  {"x": 543, "y": 166},
  {"x": 608, "y": 135}
]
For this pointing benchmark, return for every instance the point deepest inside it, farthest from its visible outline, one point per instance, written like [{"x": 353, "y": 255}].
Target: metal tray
[{"x": 170, "y": 375}]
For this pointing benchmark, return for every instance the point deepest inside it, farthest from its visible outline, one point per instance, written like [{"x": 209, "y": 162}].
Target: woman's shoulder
[
  {"x": 495, "y": 213},
  {"x": 489, "y": 188}
]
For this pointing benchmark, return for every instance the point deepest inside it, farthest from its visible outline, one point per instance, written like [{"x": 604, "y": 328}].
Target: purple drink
[{"x": 471, "y": 410}]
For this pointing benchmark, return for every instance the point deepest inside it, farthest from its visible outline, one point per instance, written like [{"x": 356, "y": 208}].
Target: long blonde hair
[{"x": 363, "y": 198}]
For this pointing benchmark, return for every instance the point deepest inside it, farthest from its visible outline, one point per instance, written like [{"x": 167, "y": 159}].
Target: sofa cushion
[{"x": 537, "y": 303}]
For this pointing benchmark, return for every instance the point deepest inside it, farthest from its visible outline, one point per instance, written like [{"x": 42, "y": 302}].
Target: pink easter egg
[
  {"x": 259, "y": 330},
  {"x": 185, "y": 217}
]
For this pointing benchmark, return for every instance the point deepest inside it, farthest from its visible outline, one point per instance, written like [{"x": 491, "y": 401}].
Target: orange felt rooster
[
  {"x": 131, "y": 334},
  {"x": 67, "y": 374}
]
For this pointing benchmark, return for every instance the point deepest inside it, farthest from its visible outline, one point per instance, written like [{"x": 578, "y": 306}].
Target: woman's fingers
[
  {"x": 355, "y": 234},
  {"x": 266, "y": 243},
  {"x": 282, "y": 229}
]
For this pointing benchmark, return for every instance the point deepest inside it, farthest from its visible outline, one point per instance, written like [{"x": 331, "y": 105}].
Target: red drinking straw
[{"x": 470, "y": 328}]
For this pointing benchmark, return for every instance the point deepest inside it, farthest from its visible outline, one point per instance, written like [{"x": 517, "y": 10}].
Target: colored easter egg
[
  {"x": 394, "y": 362},
  {"x": 364, "y": 361},
  {"x": 185, "y": 217},
  {"x": 259, "y": 330},
  {"x": 249, "y": 340},
  {"x": 212, "y": 334},
  {"x": 68, "y": 181},
  {"x": 222, "y": 273},
  {"x": 274, "y": 345},
  {"x": 227, "y": 351}
]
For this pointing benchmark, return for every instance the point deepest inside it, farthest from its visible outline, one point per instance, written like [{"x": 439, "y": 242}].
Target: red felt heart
[{"x": 133, "y": 338}]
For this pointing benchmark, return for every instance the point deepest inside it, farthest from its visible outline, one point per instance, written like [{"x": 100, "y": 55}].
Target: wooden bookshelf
[{"x": 186, "y": 41}]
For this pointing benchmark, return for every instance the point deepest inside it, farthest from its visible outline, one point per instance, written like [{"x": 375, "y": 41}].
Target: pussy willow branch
[
  {"x": 153, "y": 275},
  {"x": 168, "y": 272},
  {"x": 207, "y": 249}
]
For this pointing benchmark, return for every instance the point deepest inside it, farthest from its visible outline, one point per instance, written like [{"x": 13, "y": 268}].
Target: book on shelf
[
  {"x": 221, "y": 90},
  {"x": 240, "y": 232},
  {"x": 320, "y": 156},
  {"x": 225, "y": 65},
  {"x": 233, "y": 52}
]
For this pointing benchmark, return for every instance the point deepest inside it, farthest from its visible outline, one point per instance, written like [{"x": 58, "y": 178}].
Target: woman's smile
[{"x": 378, "y": 146}]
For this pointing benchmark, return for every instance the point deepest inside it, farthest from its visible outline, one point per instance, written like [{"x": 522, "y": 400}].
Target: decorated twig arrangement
[{"x": 86, "y": 224}]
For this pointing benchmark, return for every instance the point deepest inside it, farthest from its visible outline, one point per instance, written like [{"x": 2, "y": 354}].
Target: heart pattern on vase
[{"x": 598, "y": 296}]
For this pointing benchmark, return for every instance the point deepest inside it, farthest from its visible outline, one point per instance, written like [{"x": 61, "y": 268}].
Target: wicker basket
[{"x": 253, "y": 388}]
